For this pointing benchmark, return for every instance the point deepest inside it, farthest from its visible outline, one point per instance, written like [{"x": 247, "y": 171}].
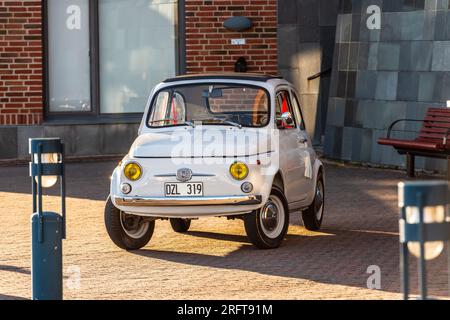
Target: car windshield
[{"x": 211, "y": 104}]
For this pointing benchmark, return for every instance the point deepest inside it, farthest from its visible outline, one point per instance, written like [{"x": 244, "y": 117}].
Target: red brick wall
[
  {"x": 208, "y": 48},
  {"x": 208, "y": 43},
  {"x": 21, "y": 96}
]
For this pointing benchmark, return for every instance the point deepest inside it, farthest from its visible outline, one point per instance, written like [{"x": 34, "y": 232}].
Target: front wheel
[
  {"x": 312, "y": 217},
  {"x": 267, "y": 227},
  {"x": 180, "y": 225},
  {"x": 127, "y": 231}
]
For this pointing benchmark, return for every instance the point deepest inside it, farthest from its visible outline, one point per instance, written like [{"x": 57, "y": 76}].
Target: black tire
[
  {"x": 312, "y": 219},
  {"x": 116, "y": 230},
  {"x": 256, "y": 230},
  {"x": 180, "y": 225}
]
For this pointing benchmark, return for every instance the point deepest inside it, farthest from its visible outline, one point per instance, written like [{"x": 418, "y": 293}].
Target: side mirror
[{"x": 286, "y": 120}]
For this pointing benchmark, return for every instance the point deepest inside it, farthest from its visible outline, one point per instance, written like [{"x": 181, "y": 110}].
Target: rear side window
[
  {"x": 283, "y": 104},
  {"x": 298, "y": 111}
]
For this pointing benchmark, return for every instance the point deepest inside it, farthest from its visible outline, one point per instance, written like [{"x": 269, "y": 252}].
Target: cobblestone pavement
[{"x": 214, "y": 259}]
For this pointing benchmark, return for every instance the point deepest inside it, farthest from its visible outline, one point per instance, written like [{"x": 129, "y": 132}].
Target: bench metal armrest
[{"x": 398, "y": 121}]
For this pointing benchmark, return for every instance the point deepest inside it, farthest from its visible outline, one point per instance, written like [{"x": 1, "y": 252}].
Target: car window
[
  {"x": 172, "y": 110},
  {"x": 283, "y": 104},
  {"x": 239, "y": 98},
  {"x": 210, "y": 104},
  {"x": 178, "y": 108},
  {"x": 297, "y": 111}
]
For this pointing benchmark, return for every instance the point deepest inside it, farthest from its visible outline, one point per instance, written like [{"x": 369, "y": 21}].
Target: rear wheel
[
  {"x": 312, "y": 217},
  {"x": 180, "y": 225},
  {"x": 127, "y": 231},
  {"x": 267, "y": 227}
]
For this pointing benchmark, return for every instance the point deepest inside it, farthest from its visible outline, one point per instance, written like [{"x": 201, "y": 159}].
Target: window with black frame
[
  {"x": 69, "y": 79},
  {"x": 104, "y": 56}
]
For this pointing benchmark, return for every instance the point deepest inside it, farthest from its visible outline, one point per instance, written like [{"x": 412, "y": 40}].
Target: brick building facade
[
  {"x": 82, "y": 69},
  {"x": 208, "y": 46},
  {"x": 21, "y": 68},
  {"x": 35, "y": 60}
]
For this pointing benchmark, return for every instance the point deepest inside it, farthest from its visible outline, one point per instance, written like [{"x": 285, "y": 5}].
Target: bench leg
[
  {"x": 448, "y": 169},
  {"x": 410, "y": 165}
]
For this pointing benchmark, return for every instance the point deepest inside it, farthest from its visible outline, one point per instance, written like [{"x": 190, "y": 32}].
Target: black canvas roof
[{"x": 228, "y": 76}]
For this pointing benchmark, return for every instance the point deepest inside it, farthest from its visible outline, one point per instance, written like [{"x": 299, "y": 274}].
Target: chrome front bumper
[{"x": 177, "y": 202}]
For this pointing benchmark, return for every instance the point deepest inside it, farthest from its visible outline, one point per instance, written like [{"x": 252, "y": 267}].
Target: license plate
[{"x": 178, "y": 189}]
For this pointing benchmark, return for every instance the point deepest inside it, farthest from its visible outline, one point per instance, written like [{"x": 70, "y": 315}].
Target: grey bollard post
[{"x": 47, "y": 228}]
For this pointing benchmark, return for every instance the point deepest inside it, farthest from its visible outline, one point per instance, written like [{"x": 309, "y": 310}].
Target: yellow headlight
[
  {"x": 239, "y": 170},
  {"x": 132, "y": 171}
]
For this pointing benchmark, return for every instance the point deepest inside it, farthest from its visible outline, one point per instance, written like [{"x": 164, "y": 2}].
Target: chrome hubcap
[
  {"x": 134, "y": 226},
  {"x": 272, "y": 217},
  {"x": 318, "y": 201}
]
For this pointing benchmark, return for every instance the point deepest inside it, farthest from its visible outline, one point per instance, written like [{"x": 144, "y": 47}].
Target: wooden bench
[{"x": 432, "y": 140}]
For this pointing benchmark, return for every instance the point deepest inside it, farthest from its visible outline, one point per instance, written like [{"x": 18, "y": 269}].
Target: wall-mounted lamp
[
  {"x": 238, "y": 24},
  {"x": 240, "y": 65}
]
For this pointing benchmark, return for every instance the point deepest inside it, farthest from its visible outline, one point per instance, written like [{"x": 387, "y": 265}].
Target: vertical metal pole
[
  {"x": 40, "y": 215},
  {"x": 448, "y": 252},
  {"x": 422, "y": 265},
  {"x": 33, "y": 192},
  {"x": 448, "y": 169},
  {"x": 404, "y": 261},
  {"x": 63, "y": 193},
  {"x": 448, "y": 266},
  {"x": 410, "y": 165}
]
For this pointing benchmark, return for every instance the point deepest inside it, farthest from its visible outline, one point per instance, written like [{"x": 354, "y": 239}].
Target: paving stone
[{"x": 214, "y": 260}]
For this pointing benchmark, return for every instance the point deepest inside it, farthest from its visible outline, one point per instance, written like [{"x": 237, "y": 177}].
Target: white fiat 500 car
[{"x": 228, "y": 145}]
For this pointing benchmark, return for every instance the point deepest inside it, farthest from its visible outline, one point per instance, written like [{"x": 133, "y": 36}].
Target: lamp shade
[
  {"x": 47, "y": 158},
  {"x": 430, "y": 215},
  {"x": 50, "y": 150},
  {"x": 430, "y": 198}
]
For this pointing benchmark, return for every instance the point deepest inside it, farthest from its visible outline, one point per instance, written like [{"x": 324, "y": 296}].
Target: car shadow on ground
[
  {"x": 338, "y": 257},
  {"x": 333, "y": 256},
  {"x": 218, "y": 236},
  {"x": 9, "y": 297}
]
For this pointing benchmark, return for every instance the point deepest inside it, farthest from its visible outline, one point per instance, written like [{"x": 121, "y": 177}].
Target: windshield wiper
[
  {"x": 189, "y": 123},
  {"x": 231, "y": 123}
]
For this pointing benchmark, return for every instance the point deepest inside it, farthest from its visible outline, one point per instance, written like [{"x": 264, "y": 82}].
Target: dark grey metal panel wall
[
  {"x": 306, "y": 33},
  {"x": 382, "y": 75},
  {"x": 79, "y": 140}
]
